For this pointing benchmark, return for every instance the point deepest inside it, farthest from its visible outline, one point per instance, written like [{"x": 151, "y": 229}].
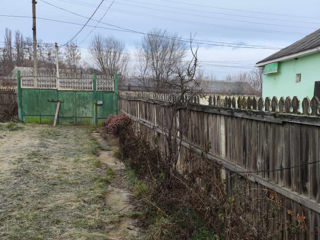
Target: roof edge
[{"x": 289, "y": 57}]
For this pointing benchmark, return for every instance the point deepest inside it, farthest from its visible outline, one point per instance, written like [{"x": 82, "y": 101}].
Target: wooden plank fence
[
  {"x": 272, "y": 144},
  {"x": 8, "y": 103}
]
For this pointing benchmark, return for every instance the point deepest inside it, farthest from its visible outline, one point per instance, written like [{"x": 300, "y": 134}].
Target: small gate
[{"x": 82, "y": 99}]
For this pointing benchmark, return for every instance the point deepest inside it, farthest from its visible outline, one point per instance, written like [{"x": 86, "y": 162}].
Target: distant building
[
  {"x": 210, "y": 87},
  {"x": 294, "y": 70},
  {"x": 230, "y": 88},
  {"x": 25, "y": 71}
]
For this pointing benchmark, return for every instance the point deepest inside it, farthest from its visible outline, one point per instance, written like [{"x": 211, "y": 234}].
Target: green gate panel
[
  {"x": 84, "y": 107},
  {"x": 47, "y": 107},
  {"x": 77, "y": 107},
  {"x": 107, "y": 107},
  {"x": 30, "y": 105},
  {"x": 67, "y": 111}
]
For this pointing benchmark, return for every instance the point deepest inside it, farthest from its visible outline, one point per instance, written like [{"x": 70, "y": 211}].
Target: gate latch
[{"x": 53, "y": 100}]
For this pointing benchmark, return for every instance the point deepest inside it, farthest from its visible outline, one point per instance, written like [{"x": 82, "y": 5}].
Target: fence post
[
  {"x": 95, "y": 99},
  {"x": 19, "y": 96},
  {"x": 115, "y": 95}
]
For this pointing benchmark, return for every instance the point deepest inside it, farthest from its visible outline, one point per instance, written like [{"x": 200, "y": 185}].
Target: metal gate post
[
  {"x": 19, "y": 96},
  {"x": 95, "y": 110},
  {"x": 115, "y": 95}
]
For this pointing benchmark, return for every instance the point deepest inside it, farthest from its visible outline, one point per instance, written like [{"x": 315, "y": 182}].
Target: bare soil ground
[{"x": 60, "y": 183}]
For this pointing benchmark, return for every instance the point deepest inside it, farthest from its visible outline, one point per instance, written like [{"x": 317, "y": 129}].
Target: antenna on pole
[{"x": 35, "y": 55}]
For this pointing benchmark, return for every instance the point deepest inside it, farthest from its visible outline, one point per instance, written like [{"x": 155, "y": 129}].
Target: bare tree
[
  {"x": 7, "y": 53},
  {"x": 160, "y": 56},
  {"x": 184, "y": 88},
  {"x": 29, "y": 50},
  {"x": 19, "y": 48},
  {"x": 20, "y": 53},
  {"x": 109, "y": 55},
  {"x": 254, "y": 78},
  {"x": 49, "y": 53},
  {"x": 73, "y": 56}
]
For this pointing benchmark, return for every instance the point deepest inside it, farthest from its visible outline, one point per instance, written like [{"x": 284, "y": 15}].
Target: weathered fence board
[
  {"x": 8, "y": 103},
  {"x": 273, "y": 149}
]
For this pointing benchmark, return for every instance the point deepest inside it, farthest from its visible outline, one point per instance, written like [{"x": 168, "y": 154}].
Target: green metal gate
[{"x": 83, "y": 100}]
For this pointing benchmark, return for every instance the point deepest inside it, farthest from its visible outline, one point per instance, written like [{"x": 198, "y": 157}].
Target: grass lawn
[{"x": 52, "y": 185}]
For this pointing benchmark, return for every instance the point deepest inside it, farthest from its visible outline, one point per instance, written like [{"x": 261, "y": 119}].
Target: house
[{"x": 294, "y": 70}]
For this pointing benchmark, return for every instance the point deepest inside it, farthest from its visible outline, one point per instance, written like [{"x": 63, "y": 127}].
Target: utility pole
[
  {"x": 57, "y": 65},
  {"x": 35, "y": 55}
]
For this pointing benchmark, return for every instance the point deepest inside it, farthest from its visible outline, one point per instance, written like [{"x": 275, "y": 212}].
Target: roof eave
[{"x": 289, "y": 57}]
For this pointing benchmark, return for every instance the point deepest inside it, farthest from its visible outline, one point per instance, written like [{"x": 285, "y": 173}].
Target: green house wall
[{"x": 283, "y": 83}]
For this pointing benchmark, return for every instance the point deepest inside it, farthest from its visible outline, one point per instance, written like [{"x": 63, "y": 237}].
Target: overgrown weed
[
  {"x": 117, "y": 154},
  {"x": 198, "y": 206},
  {"x": 165, "y": 210}
]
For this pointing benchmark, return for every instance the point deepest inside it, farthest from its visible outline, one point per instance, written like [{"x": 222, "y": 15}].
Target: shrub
[{"x": 116, "y": 123}]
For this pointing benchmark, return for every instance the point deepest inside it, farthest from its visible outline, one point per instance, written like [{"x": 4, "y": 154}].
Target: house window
[{"x": 298, "y": 77}]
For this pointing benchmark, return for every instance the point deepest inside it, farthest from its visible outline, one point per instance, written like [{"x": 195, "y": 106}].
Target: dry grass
[{"x": 51, "y": 186}]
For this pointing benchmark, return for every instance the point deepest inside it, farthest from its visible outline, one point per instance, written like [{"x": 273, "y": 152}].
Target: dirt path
[
  {"x": 53, "y": 186},
  {"x": 118, "y": 196}
]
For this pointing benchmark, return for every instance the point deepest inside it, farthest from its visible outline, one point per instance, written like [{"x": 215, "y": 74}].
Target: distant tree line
[
  {"x": 18, "y": 51},
  {"x": 254, "y": 78},
  {"x": 162, "y": 59}
]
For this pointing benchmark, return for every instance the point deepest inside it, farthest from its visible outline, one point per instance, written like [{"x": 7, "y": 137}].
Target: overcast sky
[{"x": 262, "y": 26}]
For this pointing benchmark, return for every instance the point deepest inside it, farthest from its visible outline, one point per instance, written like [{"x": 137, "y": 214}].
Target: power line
[
  {"x": 216, "y": 17},
  {"x": 214, "y": 64},
  {"x": 240, "y": 10},
  {"x": 217, "y": 25},
  {"x": 268, "y": 18},
  {"x": 99, "y": 21},
  {"x": 179, "y": 2},
  {"x": 80, "y": 15},
  {"x": 58, "y": 21},
  {"x": 226, "y": 66},
  {"x": 200, "y": 42},
  {"x": 201, "y": 12},
  {"x": 167, "y": 19},
  {"x": 89, "y": 19}
]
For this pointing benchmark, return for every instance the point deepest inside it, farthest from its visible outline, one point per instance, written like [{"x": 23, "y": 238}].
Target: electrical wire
[
  {"x": 89, "y": 19},
  {"x": 226, "y": 66},
  {"x": 207, "y": 43},
  {"x": 59, "y": 21},
  {"x": 193, "y": 10},
  {"x": 238, "y": 10},
  {"x": 99, "y": 21},
  {"x": 217, "y": 17},
  {"x": 80, "y": 15},
  {"x": 199, "y": 41},
  {"x": 245, "y": 11},
  {"x": 215, "y": 64},
  {"x": 171, "y": 19}
]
